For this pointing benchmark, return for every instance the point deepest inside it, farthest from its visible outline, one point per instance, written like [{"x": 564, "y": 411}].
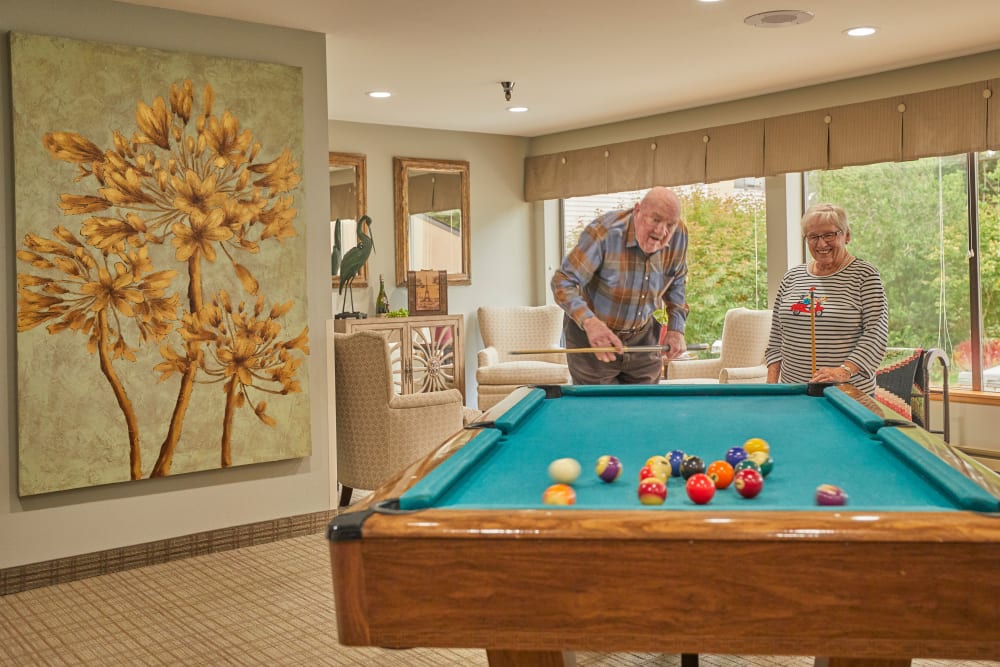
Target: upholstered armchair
[
  {"x": 744, "y": 339},
  {"x": 378, "y": 432},
  {"x": 507, "y": 329}
]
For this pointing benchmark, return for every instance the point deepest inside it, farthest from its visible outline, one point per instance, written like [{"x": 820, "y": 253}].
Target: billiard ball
[
  {"x": 748, "y": 482},
  {"x": 559, "y": 494},
  {"x": 721, "y": 473},
  {"x": 734, "y": 455},
  {"x": 564, "y": 470},
  {"x": 764, "y": 461},
  {"x": 692, "y": 465},
  {"x": 828, "y": 494},
  {"x": 652, "y": 491},
  {"x": 676, "y": 457},
  {"x": 660, "y": 466},
  {"x": 700, "y": 488},
  {"x": 756, "y": 445},
  {"x": 609, "y": 468},
  {"x": 746, "y": 463}
]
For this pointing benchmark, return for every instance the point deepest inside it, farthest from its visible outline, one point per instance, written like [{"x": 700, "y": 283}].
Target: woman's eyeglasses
[{"x": 828, "y": 237}]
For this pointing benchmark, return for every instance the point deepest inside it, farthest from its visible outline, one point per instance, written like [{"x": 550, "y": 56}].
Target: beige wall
[
  {"x": 61, "y": 524},
  {"x": 506, "y": 258}
]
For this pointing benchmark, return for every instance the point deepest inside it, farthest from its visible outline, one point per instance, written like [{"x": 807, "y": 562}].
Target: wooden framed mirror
[
  {"x": 432, "y": 218},
  {"x": 348, "y": 202}
]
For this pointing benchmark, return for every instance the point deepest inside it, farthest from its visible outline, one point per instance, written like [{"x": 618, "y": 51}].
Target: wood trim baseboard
[{"x": 72, "y": 568}]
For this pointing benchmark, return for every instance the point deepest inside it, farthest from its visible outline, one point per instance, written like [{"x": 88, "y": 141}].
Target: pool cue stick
[
  {"x": 577, "y": 350},
  {"x": 581, "y": 350},
  {"x": 812, "y": 326}
]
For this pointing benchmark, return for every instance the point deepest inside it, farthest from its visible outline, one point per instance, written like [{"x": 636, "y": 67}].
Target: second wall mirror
[
  {"x": 432, "y": 218},
  {"x": 348, "y": 202}
]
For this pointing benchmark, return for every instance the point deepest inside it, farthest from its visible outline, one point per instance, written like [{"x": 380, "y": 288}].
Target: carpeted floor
[{"x": 263, "y": 605}]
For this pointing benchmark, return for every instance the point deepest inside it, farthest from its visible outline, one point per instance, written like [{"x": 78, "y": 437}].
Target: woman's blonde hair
[{"x": 825, "y": 213}]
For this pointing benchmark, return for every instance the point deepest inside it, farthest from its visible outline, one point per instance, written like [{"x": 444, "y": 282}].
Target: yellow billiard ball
[{"x": 756, "y": 445}]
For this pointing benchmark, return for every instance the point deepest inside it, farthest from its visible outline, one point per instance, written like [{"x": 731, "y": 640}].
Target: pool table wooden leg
[
  {"x": 506, "y": 658},
  {"x": 862, "y": 662},
  {"x": 689, "y": 660}
]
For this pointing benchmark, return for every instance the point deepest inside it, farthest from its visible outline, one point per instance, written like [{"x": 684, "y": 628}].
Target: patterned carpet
[{"x": 263, "y": 605}]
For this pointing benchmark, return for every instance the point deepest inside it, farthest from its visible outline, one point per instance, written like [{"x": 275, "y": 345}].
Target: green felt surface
[{"x": 814, "y": 440}]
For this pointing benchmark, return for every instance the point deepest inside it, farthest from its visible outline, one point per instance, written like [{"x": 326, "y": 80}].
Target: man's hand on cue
[
  {"x": 600, "y": 335},
  {"x": 675, "y": 339}
]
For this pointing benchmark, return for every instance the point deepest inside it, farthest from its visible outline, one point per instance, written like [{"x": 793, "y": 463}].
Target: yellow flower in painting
[
  {"x": 77, "y": 204},
  {"x": 181, "y": 99},
  {"x": 154, "y": 122},
  {"x": 279, "y": 174},
  {"x": 195, "y": 194},
  {"x": 114, "y": 290},
  {"x": 200, "y": 235},
  {"x": 278, "y": 219},
  {"x": 226, "y": 141},
  {"x": 107, "y": 233},
  {"x": 125, "y": 187},
  {"x": 71, "y": 147}
]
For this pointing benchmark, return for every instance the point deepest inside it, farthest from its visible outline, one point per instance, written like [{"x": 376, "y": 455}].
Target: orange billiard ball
[
  {"x": 721, "y": 473},
  {"x": 559, "y": 494}
]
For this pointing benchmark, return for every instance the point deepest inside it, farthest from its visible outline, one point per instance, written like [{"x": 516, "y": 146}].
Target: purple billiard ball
[
  {"x": 734, "y": 455},
  {"x": 828, "y": 494},
  {"x": 609, "y": 468}
]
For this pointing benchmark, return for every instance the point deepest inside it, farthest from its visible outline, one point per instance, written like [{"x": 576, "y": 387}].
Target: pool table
[{"x": 459, "y": 550}]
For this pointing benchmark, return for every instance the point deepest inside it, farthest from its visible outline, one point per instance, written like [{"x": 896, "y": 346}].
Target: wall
[
  {"x": 507, "y": 259},
  {"x": 62, "y": 524}
]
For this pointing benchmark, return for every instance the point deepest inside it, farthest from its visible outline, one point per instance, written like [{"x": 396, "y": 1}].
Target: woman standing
[{"x": 847, "y": 298}]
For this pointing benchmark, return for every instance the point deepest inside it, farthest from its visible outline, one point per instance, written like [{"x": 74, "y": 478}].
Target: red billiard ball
[
  {"x": 828, "y": 494},
  {"x": 748, "y": 482},
  {"x": 652, "y": 491},
  {"x": 700, "y": 488},
  {"x": 721, "y": 473}
]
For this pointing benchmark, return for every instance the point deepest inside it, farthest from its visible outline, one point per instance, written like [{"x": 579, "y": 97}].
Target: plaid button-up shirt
[{"x": 609, "y": 276}]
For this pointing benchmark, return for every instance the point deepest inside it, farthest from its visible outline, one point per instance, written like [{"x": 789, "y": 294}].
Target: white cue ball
[{"x": 564, "y": 470}]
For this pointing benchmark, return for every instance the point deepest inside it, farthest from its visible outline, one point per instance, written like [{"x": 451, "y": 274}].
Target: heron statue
[{"x": 352, "y": 262}]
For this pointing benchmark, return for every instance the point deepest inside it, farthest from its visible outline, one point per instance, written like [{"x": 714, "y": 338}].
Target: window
[
  {"x": 727, "y": 256},
  {"x": 912, "y": 221}
]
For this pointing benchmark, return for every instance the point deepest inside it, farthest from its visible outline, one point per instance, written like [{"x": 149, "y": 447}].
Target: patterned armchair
[
  {"x": 518, "y": 328},
  {"x": 744, "y": 339},
  {"x": 378, "y": 432}
]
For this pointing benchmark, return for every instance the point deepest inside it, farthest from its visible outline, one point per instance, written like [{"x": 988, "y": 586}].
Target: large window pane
[
  {"x": 989, "y": 265},
  {"x": 727, "y": 254},
  {"x": 911, "y": 220}
]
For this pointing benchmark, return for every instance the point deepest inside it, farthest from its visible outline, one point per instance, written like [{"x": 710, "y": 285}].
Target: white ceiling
[{"x": 579, "y": 63}]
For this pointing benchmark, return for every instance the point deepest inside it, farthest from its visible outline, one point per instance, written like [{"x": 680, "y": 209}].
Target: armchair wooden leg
[{"x": 345, "y": 495}]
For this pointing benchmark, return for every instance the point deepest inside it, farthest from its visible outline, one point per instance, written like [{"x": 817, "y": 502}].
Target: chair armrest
[
  {"x": 488, "y": 356},
  {"x": 744, "y": 375},
  {"x": 695, "y": 368},
  {"x": 425, "y": 400}
]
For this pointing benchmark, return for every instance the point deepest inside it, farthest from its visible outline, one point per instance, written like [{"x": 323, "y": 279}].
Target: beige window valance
[{"x": 947, "y": 121}]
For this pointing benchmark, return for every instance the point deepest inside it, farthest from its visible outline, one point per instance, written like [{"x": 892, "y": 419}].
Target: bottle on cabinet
[{"x": 381, "y": 301}]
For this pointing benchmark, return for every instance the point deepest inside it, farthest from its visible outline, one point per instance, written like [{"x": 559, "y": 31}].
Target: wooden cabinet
[{"x": 427, "y": 352}]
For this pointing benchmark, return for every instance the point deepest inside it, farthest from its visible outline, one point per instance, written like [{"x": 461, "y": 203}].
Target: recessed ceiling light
[
  {"x": 517, "y": 109},
  {"x": 861, "y": 31},
  {"x": 779, "y": 18},
  {"x": 706, "y": 1},
  {"x": 379, "y": 93}
]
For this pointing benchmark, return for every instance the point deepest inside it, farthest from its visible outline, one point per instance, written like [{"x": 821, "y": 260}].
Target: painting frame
[{"x": 427, "y": 292}]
